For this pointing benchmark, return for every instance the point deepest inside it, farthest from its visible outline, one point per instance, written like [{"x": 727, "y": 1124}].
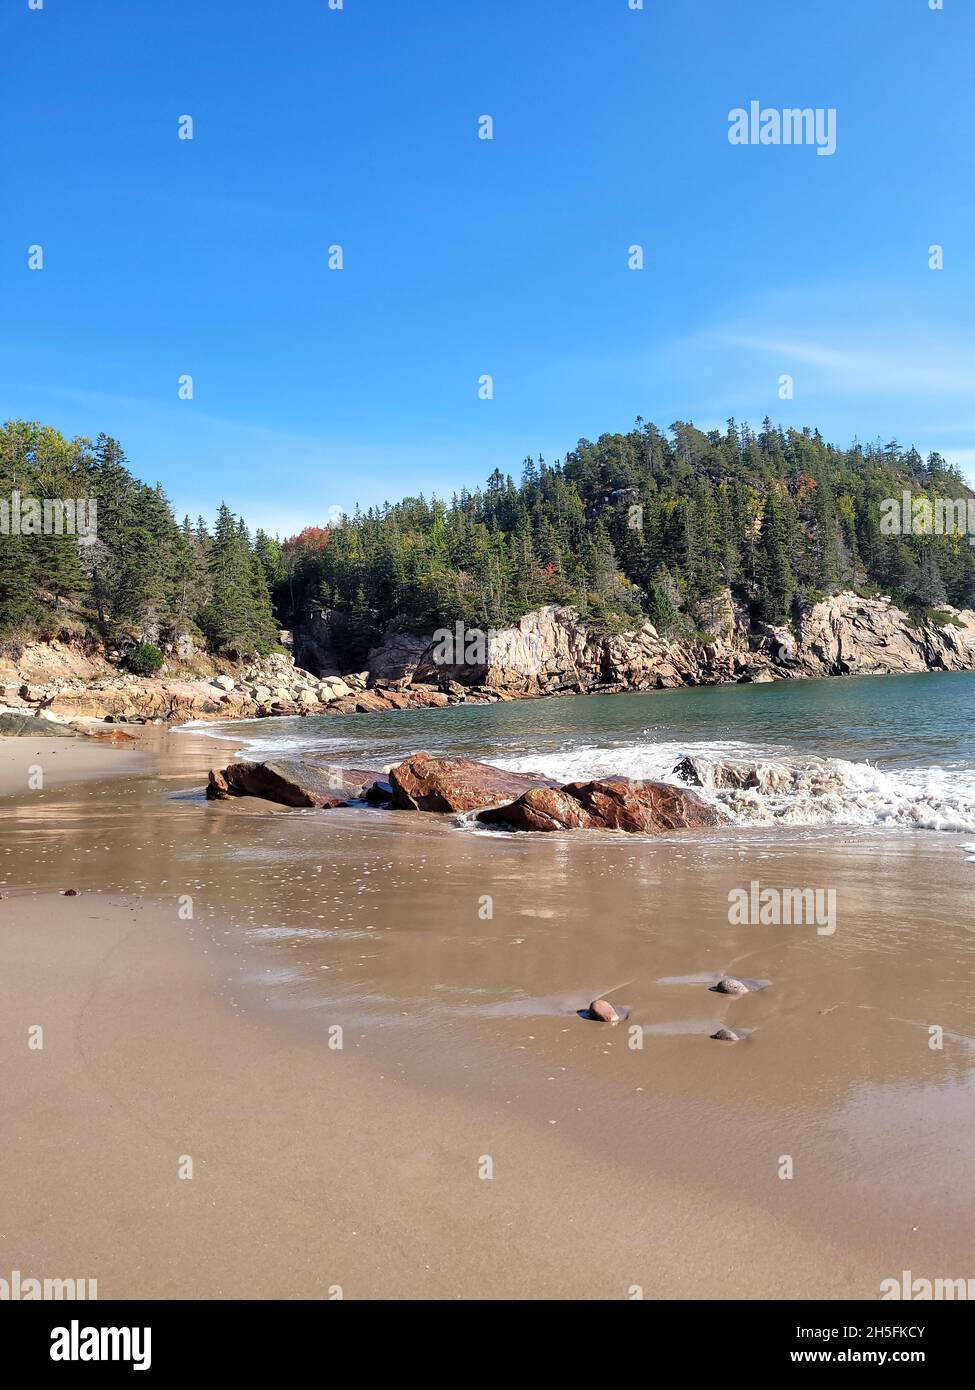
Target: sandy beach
[
  {"x": 472, "y": 1137},
  {"x": 61, "y": 760}
]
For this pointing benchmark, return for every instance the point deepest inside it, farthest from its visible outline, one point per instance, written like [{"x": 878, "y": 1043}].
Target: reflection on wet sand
[{"x": 376, "y": 921}]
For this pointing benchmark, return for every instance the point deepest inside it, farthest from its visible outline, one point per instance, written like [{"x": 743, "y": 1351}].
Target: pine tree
[
  {"x": 229, "y": 616},
  {"x": 19, "y": 606},
  {"x": 776, "y": 577}
]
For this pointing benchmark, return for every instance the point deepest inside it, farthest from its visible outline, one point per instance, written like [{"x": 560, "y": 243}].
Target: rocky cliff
[{"x": 551, "y": 651}]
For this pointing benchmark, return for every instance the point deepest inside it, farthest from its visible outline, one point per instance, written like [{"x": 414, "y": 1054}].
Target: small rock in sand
[
  {"x": 729, "y": 985},
  {"x": 603, "y": 1010},
  {"x": 726, "y": 1035},
  {"x": 69, "y": 893}
]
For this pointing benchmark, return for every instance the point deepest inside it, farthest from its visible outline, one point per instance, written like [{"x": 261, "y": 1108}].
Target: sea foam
[{"x": 786, "y": 790}]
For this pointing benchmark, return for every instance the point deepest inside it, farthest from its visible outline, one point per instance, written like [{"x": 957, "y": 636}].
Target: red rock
[
  {"x": 372, "y": 702},
  {"x": 426, "y": 695},
  {"x": 426, "y": 783},
  {"x": 603, "y": 1011},
  {"x": 541, "y": 808},
  {"x": 291, "y": 783},
  {"x": 611, "y": 803},
  {"x": 345, "y": 705}
]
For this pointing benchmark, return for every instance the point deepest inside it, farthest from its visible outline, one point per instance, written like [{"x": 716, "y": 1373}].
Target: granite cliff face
[
  {"x": 552, "y": 650},
  {"x": 847, "y": 635}
]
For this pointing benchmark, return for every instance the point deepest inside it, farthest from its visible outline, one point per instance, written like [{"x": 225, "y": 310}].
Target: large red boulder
[
  {"x": 426, "y": 783},
  {"x": 609, "y": 803},
  {"x": 291, "y": 782}
]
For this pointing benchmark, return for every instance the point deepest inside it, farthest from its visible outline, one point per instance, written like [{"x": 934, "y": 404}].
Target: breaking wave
[{"x": 756, "y": 787}]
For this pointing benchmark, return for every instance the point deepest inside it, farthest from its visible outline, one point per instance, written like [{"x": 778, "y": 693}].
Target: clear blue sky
[{"x": 316, "y": 389}]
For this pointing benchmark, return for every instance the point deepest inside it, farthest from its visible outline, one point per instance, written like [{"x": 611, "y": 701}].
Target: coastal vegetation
[{"x": 645, "y": 524}]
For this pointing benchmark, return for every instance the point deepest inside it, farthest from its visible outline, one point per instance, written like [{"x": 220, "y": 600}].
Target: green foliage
[
  {"x": 919, "y": 616},
  {"x": 645, "y": 524},
  {"x": 143, "y": 659},
  {"x": 940, "y": 617},
  {"x": 141, "y": 574}
]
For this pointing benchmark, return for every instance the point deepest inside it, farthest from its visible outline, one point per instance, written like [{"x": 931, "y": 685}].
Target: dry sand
[{"x": 614, "y": 1167}]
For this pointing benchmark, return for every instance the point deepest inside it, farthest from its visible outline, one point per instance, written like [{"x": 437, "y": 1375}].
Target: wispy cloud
[
  {"x": 280, "y": 480},
  {"x": 932, "y": 366},
  {"x": 862, "y": 363}
]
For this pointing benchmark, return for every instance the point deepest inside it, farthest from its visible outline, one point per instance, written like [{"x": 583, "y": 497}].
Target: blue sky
[{"x": 315, "y": 389}]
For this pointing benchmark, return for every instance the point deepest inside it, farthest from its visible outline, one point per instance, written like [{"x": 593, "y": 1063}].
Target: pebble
[{"x": 729, "y": 985}]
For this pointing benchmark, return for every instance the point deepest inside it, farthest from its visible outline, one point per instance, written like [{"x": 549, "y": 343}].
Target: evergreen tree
[{"x": 776, "y": 577}]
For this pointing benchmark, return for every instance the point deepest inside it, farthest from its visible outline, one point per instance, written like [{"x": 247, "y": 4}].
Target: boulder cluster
[{"x": 508, "y": 800}]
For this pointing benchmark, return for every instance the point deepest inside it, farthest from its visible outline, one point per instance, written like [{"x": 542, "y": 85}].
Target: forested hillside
[
  {"x": 639, "y": 523},
  {"x": 643, "y": 523}
]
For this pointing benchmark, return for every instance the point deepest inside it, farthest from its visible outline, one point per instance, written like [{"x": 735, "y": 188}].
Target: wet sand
[
  {"x": 62, "y": 760},
  {"x": 614, "y": 1166}
]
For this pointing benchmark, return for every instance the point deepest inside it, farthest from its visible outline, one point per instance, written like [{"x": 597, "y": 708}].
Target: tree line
[
  {"x": 140, "y": 577},
  {"x": 643, "y": 524},
  {"x": 648, "y": 523}
]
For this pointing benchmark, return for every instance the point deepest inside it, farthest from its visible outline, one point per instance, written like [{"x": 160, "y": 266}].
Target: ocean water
[{"x": 894, "y": 751}]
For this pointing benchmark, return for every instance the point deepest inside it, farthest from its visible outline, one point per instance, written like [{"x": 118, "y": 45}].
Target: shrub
[
  {"x": 940, "y": 617},
  {"x": 143, "y": 659}
]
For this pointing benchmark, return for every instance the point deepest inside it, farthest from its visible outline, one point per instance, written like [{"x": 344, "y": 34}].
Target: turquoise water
[{"x": 900, "y": 748}]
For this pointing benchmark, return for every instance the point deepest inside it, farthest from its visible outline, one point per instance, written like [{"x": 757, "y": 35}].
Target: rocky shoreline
[
  {"x": 551, "y": 651},
  {"x": 508, "y": 800}
]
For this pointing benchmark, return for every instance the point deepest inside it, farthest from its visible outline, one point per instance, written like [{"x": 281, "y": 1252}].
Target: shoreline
[
  {"x": 548, "y": 652},
  {"x": 360, "y": 1167},
  {"x": 378, "y": 701}
]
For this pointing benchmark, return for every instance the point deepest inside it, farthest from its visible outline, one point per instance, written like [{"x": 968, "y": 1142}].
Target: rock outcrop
[
  {"x": 313, "y": 644},
  {"x": 291, "y": 782},
  {"x": 20, "y": 724},
  {"x": 271, "y": 688},
  {"x": 397, "y": 659},
  {"x": 553, "y": 651},
  {"x": 850, "y": 636},
  {"x": 451, "y": 785},
  {"x": 426, "y": 783},
  {"x": 609, "y": 803}
]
